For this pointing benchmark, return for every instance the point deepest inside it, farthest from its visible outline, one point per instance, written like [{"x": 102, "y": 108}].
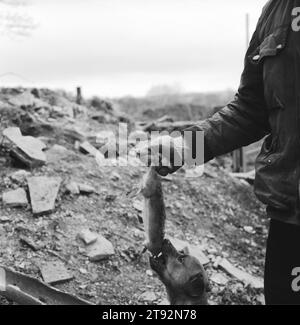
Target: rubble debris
[
  {"x": 164, "y": 302},
  {"x": 148, "y": 296},
  {"x": 178, "y": 205},
  {"x": 27, "y": 100},
  {"x": 100, "y": 249},
  {"x": 149, "y": 273},
  {"x": 210, "y": 173},
  {"x": 72, "y": 135},
  {"x": 179, "y": 244},
  {"x": 55, "y": 272},
  {"x": 75, "y": 188},
  {"x": 27, "y": 149},
  {"x": 28, "y": 153},
  {"x": 217, "y": 262},
  {"x": 103, "y": 118},
  {"x": 72, "y": 188},
  {"x": 110, "y": 197},
  {"x": 83, "y": 271},
  {"x": 31, "y": 291},
  {"x": 218, "y": 218},
  {"x": 4, "y": 219},
  {"x": 219, "y": 279},
  {"x": 86, "y": 189},
  {"x": 197, "y": 252},
  {"x": 30, "y": 243},
  {"x": 168, "y": 126},
  {"x": 115, "y": 177},
  {"x": 261, "y": 299},
  {"x": 186, "y": 215},
  {"x": 59, "y": 149},
  {"x": 57, "y": 153},
  {"x": 138, "y": 205},
  {"x": 87, "y": 236},
  {"x": 101, "y": 105},
  {"x": 87, "y": 148},
  {"x": 43, "y": 192},
  {"x": 19, "y": 176},
  {"x": 194, "y": 250},
  {"x": 242, "y": 276},
  {"x": 248, "y": 177},
  {"x": 58, "y": 112},
  {"x": 249, "y": 230},
  {"x": 102, "y": 137},
  {"x": 15, "y": 199},
  {"x": 12, "y": 133}
]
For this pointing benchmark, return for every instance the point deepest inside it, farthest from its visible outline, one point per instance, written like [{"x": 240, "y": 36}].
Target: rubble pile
[{"x": 65, "y": 217}]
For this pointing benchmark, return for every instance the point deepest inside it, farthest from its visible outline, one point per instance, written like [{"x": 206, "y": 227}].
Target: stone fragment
[
  {"x": 164, "y": 302},
  {"x": 100, "y": 249},
  {"x": 43, "y": 192},
  {"x": 87, "y": 148},
  {"x": 87, "y": 236},
  {"x": 242, "y": 276},
  {"x": 55, "y": 272},
  {"x": 219, "y": 279},
  {"x": 194, "y": 250},
  {"x": 86, "y": 189},
  {"x": 15, "y": 199},
  {"x": 57, "y": 153},
  {"x": 138, "y": 205},
  {"x": 4, "y": 219},
  {"x": 115, "y": 176},
  {"x": 27, "y": 99},
  {"x": 72, "y": 188},
  {"x": 12, "y": 133},
  {"x": 29, "y": 242},
  {"x": 148, "y": 296},
  {"x": 83, "y": 271},
  {"x": 249, "y": 230},
  {"x": 19, "y": 176},
  {"x": 28, "y": 150},
  {"x": 248, "y": 177}
]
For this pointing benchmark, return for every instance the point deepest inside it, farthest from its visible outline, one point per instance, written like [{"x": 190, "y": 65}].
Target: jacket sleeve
[{"x": 244, "y": 120}]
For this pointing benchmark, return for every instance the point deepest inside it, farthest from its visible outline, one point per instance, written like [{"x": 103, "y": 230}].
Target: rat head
[{"x": 183, "y": 276}]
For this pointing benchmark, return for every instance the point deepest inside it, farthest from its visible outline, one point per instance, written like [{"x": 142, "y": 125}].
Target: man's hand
[{"x": 165, "y": 153}]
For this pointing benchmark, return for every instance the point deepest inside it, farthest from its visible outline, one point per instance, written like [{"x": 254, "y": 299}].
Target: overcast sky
[{"x": 120, "y": 47}]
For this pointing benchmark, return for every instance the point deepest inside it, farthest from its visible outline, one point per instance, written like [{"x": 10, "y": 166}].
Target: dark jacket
[{"x": 267, "y": 104}]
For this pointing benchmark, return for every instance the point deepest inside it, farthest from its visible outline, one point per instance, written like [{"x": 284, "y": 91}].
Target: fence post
[
  {"x": 239, "y": 161},
  {"x": 78, "y": 96}
]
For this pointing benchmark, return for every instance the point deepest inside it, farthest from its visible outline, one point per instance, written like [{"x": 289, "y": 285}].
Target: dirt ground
[{"x": 214, "y": 211}]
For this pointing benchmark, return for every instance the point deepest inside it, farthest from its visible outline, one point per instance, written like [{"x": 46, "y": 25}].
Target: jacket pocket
[
  {"x": 269, "y": 55},
  {"x": 271, "y": 46},
  {"x": 269, "y": 148},
  {"x": 272, "y": 187}
]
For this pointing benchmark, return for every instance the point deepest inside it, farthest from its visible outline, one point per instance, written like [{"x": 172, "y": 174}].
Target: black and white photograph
[{"x": 149, "y": 155}]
